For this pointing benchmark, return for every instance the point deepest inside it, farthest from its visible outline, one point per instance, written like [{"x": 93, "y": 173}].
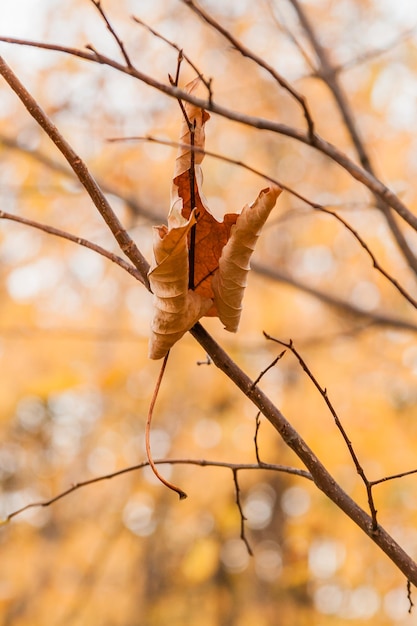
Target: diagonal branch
[
  {"x": 318, "y": 143},
  {"x": 125, "y": 242},
  {"x": 244, "y": 51},
  {"x": 78, "y": 240},
  {"x": 321, "y": 477},
  {"x": 330, "y": 75},
  {"x": 119, "y": 42},
  {"x": 325, "y": 396},
  {"x": 375, "y": 318},
  {"x": 132, "y": 468}
]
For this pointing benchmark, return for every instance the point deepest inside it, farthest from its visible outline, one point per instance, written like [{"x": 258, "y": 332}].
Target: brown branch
[
  {"x": 97, "y": 4},
  {"x": 330, "y": 75},
  {"x": 125, "y": 242},
  {"x": 244, "y": 51},
  {"x": 132, "y": 468},
  {"x": 255, "y": 437},
  {"x": 242, "y": 515},
  {"x": 323, "y": 392},
  {"x": 320, "y": 144},
  {"x": 296, "y": 194},
  {"x": 206, "y": 83},
  {"x": 375, "y": 318},
  {"x": 409, "y": 598},
  {"x": 321, "y": 477},
  {"x": 50, "y": 230}
]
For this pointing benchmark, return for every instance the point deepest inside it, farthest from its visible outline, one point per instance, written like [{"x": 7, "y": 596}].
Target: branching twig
[
  {"x": 207, "y": 83},
  {"x": 255, "y": 438},
  {"x": 244, "y": 51},
  {"x": 127, "y": 470},
  {"x": 320, "y": 144},
  {"x": 296, "y": 194},
  {"x": 323, "y": 392},
  {"x": 409, "y": 598},
  {"x": 125, "y": 242},
  {"x": 191, "y": 125},
  {"x": 329, "y": 73},
  {"x": 322, "y": 478}
]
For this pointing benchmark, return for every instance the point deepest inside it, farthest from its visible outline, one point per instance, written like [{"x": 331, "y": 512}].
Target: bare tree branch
[
  {"x": 321, "y": 477},
  {"x": 330, "y": 75},
  {"x": 132, "y": 203},
  {"x": 320, "y": 144},
  {"x": 244, "y": 51},
  {"x": 132, "y": 468},
  {"x": 323, "y": 392},
  {"x": 241, "y": 513},
  {"x": 97, "y": 4},
  {"x": 137, "y": 208},
  {"x": 125, "y": 242},
  {"x": 50, "y": 230}
]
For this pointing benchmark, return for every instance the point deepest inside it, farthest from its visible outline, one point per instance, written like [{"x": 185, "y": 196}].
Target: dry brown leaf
[
  {"x": 229, "y": 281},
  {"x": 200, "y": 264},
  {"x": 176, "y": 308}
]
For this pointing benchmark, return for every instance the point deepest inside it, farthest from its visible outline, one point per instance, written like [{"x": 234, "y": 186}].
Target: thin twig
[
  {"x": 324, "y": 394},
  {"x": 155, "y": 33},
  {"x": 255, "y": 438},
  {"x": 50, "y": 230},
  {"x": 316, "y": 206},
  {"x": 191, "y": 125},
  {"x": 242, "y": 516},
  {"x": 409, "y": 598},
  {"x": 392, "y": 477},
  {"x": 270, "y": 366},
  {"x": 97, "y": 4},
  {"x": 320, "y": 144},
  {"x": 133, "y": 468},
  {"x": 125, "y": 242},
  {"x": 244, "y": 51},
  {"x": 375, "y": 263}
]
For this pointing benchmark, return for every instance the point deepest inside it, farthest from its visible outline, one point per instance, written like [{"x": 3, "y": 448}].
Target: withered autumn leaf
[{"x": 200, "y": 264}]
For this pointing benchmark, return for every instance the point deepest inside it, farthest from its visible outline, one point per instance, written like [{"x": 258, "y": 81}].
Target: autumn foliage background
[{"x": 76, "y": 381}]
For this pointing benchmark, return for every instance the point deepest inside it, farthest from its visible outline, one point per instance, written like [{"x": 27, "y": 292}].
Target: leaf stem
[{"x": 163, "y": 480}]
